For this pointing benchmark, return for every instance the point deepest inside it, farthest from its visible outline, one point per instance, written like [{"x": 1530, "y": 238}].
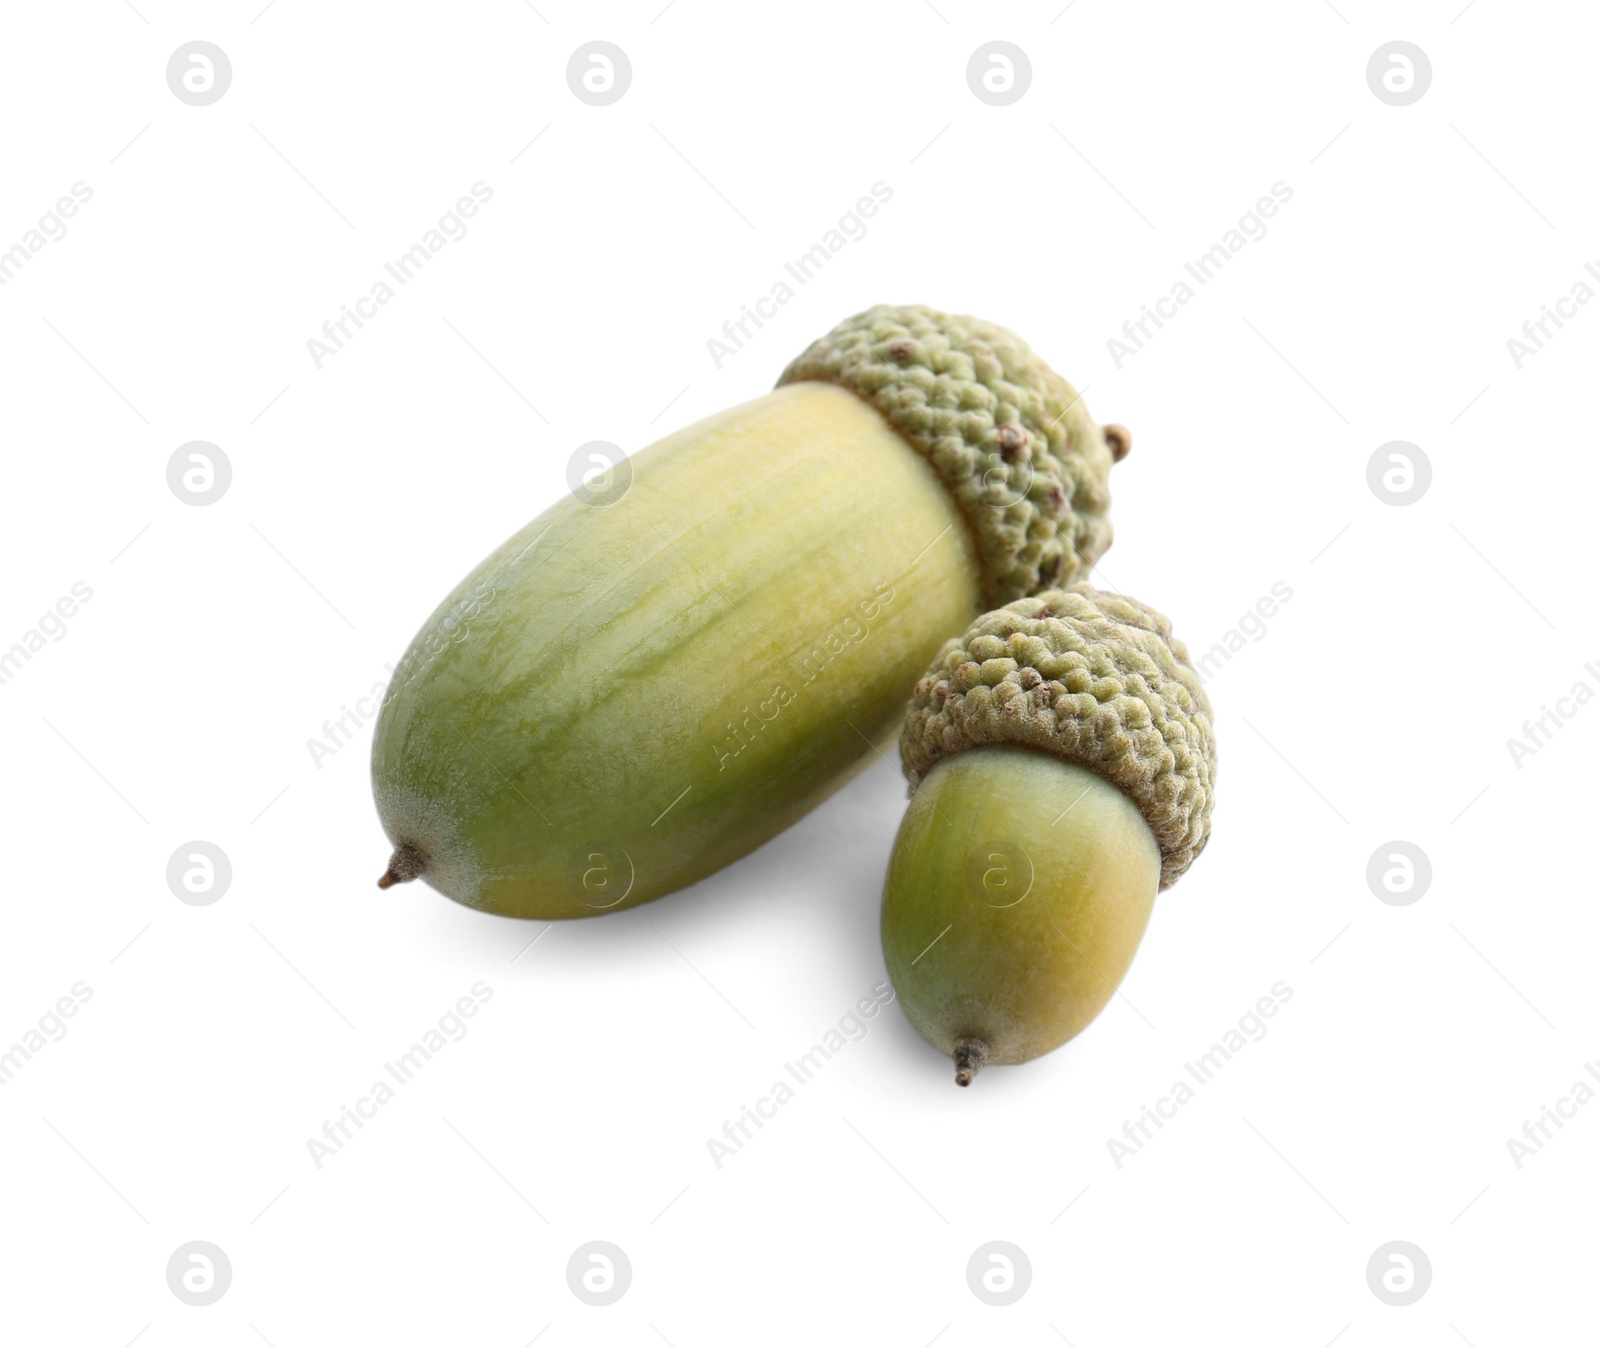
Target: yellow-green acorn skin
[
  {"x": 634, "y": 691},
  {"x": 1018, "y": 891},
  {"x": 1062, "y": 762},
  {"x": 622, "y": 699}
]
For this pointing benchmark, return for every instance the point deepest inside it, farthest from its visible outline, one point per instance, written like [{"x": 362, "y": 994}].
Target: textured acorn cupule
[
  {"x": 1062, "y": 762},
  {"x": 624, "y": 697},
  {"x": 1006, "y": 435}
]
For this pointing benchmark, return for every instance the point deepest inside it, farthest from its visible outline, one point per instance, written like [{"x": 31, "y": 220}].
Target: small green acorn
[
  {"x": 629, "y": 694},
  {"x": 1061, "y": 760}
]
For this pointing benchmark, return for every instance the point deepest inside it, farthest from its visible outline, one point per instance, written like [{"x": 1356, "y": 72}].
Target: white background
[{"x": 1377, "y": 706}]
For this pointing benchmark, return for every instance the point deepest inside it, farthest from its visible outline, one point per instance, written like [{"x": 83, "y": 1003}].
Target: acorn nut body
[
  {"x": 1062, "y": 761},
  {"x": 623, "y": 698}
]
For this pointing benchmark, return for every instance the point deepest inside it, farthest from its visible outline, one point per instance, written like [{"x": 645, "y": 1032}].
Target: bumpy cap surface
[
  {"x": 1097, "y": 679},
  {"x": 1007, "y": 435}
]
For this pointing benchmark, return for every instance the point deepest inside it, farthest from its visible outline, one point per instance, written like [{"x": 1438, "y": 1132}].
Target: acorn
[
  {"x": 1061, "y": 761},
  {"x": 644, "y": 685}
]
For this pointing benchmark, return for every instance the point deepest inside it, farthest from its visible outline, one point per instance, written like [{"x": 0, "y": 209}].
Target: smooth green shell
[
  {"x": 1018, "y": 890},
  {"x": 621, "y": 699}
]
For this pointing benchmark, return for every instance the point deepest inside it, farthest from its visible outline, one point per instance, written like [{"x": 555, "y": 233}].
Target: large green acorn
[
  {"x": 643, "y": 685},
  {"x": 1061, "y": 760}
]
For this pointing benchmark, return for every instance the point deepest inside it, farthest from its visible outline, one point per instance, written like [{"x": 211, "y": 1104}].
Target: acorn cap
[
  {"x": 1008, "y": 436},
  {"x": 1095, "y": 678}
]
